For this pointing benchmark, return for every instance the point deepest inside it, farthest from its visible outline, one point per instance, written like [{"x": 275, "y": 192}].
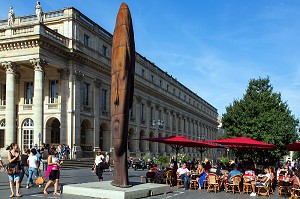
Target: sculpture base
[{"x": 106, "y": 190}]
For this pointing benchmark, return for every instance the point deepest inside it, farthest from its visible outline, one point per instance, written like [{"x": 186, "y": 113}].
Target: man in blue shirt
[{"x": 234, "y": 172}]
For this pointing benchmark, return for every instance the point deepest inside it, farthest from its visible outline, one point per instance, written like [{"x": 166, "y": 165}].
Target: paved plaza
[{"x": 86, "y": 175}]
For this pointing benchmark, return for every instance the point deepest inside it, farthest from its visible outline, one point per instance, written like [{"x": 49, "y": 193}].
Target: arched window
[{"x": 27, "y": 133}]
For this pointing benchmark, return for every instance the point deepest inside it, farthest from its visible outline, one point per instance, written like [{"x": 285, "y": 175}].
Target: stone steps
[{"x": 80, "y": 163}]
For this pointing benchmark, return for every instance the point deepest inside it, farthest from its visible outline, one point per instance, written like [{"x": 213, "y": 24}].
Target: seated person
[
  {"x": 294, "y": 180},
  {"x": 234, "y": 172},
  {"x": 201, "y": 175},
  {"x": 249, "y": 173},
  {"x": 262, "y": 181},
  {"x": 183, "y": 173},
  {"x": 154, "y": 168}
]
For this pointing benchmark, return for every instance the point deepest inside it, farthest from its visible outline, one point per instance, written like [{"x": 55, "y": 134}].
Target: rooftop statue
[
  {"x": 11, "y": 16},
  {"x": 38, "y": 11},
  {"x": 122, "y": 87}
]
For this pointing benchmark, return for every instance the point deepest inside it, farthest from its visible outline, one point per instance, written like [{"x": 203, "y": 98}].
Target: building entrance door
[
  {"x": 27, "y": 134},
  {"x": 2, "y": 133}
]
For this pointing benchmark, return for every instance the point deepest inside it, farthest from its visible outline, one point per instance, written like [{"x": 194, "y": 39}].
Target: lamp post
[
  {"x": 202, "y": 138},
  {"x": 158, "y": 124}
]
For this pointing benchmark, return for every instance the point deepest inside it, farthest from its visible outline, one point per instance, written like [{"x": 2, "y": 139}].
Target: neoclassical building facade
[{"x": 55, "y": 88}]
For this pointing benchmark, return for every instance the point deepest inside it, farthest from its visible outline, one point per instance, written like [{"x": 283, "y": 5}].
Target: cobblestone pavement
[{"x": 86, "y": 175}]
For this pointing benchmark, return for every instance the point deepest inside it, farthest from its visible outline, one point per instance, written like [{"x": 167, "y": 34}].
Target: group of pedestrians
[{"x": 28, "y": 163}]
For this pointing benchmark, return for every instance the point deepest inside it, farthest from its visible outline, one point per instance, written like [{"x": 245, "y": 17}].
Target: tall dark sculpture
[{"x": 122, "y": 86}]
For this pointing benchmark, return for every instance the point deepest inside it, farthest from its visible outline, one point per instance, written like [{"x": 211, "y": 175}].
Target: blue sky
[{"x": 213, "y": 47}]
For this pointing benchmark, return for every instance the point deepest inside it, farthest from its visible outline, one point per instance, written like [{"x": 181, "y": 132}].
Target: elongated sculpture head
[{"x": 122, "y": 87}]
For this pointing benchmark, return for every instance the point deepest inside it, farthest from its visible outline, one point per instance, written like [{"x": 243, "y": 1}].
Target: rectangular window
[
  {"x": 103, "y": 98},
  {"x": 3, "y": 95},
  {"x": 151, "y": 114},
  {"x": 159, "y": 114},
  {"x": 173, "y": 121},
  {"x": 104, "y": 51},
  {"x": 152, "y": 78},
  {"x": 142, "y": 111},
  {"x": 86, "y": 39},
  {"x": 174, "y": 91},
  {"x": 53, "y": 98},
  {"x": 167, "y": 119},
  {"x": 167, "y": 87},
  {"x": 28, "y": 93},
  {"x": 143, "y": 73},
  {"x": 85, "y": 94},
  {"x": 160, "y": 83}
]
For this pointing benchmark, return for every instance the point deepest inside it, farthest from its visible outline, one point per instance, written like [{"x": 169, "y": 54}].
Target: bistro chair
[
  {"x": 264, "y": 190},
  {"x": 234, "y": 183},
  {"x": 179, "y": 181},
  {"x": 295, "y": 193},
  {"x": 212, "y": 182},
  {"x": 193, "y": 182},
  {"x": 247, "y": 186},
  {"x": 169, "y": 177}
]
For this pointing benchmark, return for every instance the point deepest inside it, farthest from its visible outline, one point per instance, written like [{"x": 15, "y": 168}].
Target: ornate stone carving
[
  {"x": 11, "y": 16},
  {"x": 64, "y": 73},
  {"x": 97, "y": 83},
  {"x": 138, "y": 98},
  {"x": 9, "y": 67},
  {"x": 18, "y": 77},
  {"x": 78, "y": 75},
  {"x": 39, "y": 64}
]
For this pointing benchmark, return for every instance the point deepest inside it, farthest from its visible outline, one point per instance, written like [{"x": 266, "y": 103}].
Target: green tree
[{"x": 262, "y": 115}]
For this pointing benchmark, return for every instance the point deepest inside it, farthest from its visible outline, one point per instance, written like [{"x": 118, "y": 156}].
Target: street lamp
[
  {"x": 201, "y": 149},
  {"x": 157, "y": 124}
]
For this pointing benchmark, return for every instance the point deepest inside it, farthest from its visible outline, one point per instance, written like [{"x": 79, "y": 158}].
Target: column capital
[
  {"x": 9, "y": 67},
  {"x": 78, "y": 75},
  {"x": 97, "y": 83},
  {"x": 138, "y": 98},
  {"x": 64, "y": 73},
  {"x": 38, "y": 64},
  {"x": 18, "y": 77}
]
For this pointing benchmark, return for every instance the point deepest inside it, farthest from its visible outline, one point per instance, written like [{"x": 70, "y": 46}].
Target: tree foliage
[{"x": 262, "y": 115}]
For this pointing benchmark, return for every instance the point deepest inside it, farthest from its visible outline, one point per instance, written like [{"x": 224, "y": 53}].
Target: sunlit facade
[{"x": 55, "y": 88}]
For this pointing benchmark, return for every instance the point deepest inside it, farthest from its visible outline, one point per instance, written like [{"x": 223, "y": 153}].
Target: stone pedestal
[{"x": 104, "y": 189}]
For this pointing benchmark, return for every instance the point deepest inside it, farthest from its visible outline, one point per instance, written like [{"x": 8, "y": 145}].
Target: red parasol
[
  {"x": 204, "y": 146},
  {"x": 178, "y": 142},
  {"x": 293, "y": 146},
  {"x": 245, "y": 143}
]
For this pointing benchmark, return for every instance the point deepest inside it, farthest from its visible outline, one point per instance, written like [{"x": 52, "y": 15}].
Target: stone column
[
  {"x": 38, "y": 98},
  {"x": 10, "y": 110},
  {"x": 97, "y": 87},
  {"x": 77, "y": 106},
  {"x": 64, "y": 93}
]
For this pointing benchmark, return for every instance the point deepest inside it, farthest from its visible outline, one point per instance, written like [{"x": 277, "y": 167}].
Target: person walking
[
  {"x": 24, "y": 165},
  {"x": 98, "y": 159},
  {"x": 33, "y": 166},
  {"x": 74, "y": 150},
  {"x": 107, "y": 158},
  {"x": 53, "y": 170},
  {"x": 14, "y": 160}
]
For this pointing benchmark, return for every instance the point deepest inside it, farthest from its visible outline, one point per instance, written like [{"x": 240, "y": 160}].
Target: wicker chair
[
  {"x": 264, "y": 190},
  {"x": 234, "y": 183},
  {"x": 295, "y": 193},
  {"x": 212, "y": 182},
  {"x": 169, "y": 177},
  {"x": 247, "y": 186}
]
